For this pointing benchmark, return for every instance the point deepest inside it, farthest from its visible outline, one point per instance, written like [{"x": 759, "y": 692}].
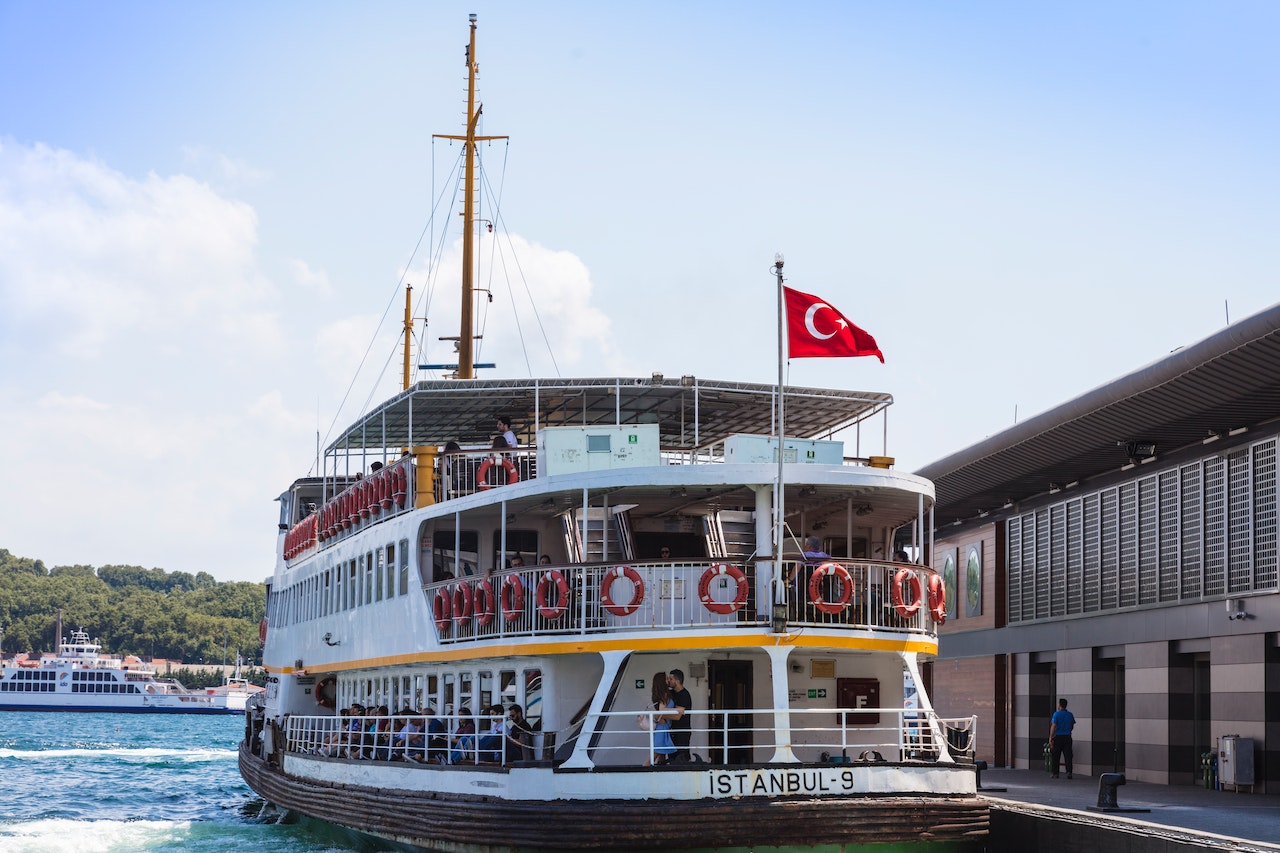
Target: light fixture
[
  {"x": 686, "y": 381},
  {"x": 1140, "y": 449},
  {"x": 1129, "y": 466},
  {"x": 1072, "y": 484},
  {"x": 1212, "y": 436},
  {"x": 656, "y": 379},
  {"x": 330, "y": 641},
  {"x": 982, "y": 513},
  {"x": 865, "y": 509},
  {"x": 1238, "y": 431},
  {"x": 1008, "y": 503},
  {"x": 808, "y": 491},
  {"x": 1054, "y": 488}
]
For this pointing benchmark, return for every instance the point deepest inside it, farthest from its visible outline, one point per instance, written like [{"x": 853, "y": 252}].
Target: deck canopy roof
[
  {"x": 689, "y": 412},
  {"x": 1228, "y": 381}
]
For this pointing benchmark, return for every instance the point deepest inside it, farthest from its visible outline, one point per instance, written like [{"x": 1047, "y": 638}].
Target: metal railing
[
  {"x": 725, "y": 737},
  {"x": 669, "y": 596}
]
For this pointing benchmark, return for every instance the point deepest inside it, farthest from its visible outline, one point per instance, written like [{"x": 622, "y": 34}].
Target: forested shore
[{"x": 130, "y": 610}]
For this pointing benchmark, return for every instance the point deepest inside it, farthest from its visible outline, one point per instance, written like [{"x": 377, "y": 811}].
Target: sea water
[{"x": 120, "y": 783}]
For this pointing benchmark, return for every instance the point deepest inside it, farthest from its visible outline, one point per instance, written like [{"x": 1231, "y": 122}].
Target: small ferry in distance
[
  {"x": 81, "y": 678},
  {"x": 521, "y": 614}
]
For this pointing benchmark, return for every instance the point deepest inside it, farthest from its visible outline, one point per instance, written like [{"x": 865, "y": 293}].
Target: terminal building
[{"x": 1120, "y": 551}]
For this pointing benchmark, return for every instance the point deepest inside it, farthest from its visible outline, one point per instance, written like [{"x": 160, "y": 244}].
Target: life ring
[
  {"x": 545, "y": 584},
  {"x": 704, "y": 588},
  {"x": 399, "y": 484},
  {"x": 463, "y": 599},
  {"x": 441, "y": 609},
  {"x": 637, "y": 591},
  {"x": 905, "y": 610},
  {"x": 486, "y": 603},
  {"x": 513, "y": 475},
  {"x": 815, "y": 588},
  {"x": 388, "y": 486},
  {"x": 326, "y": 691},
  {"x": 937, "y": 599},
  {"x": 512, "y": 601},
  {"x": 262, "y": 632}
]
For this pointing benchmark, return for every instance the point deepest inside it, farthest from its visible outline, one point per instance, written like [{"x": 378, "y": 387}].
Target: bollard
[
  {"x": 978, "y": 767},
  {"x": 1108, "y": 800}
]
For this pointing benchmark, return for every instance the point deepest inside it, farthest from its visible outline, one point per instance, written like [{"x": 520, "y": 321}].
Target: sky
[{"x": 208, "y": 212}]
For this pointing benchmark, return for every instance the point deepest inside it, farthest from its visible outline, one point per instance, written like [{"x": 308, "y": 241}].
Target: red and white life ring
[
  {"x": 399, "y": 484},
  {"x": 815, "y": 587},
  {"x": 326, "y": 691},
  {"x": 486, "y": 603},
  {"x": 463, "y": 599},
  {"x": 552, "y": 580},
  {"x": 262, "y": 632},
  {"x": 704, "y": 588},
  {"x": 906, "y": 610},
  {"x": 513, "y": 475},
  {"x": 637, "y": 591},
  {"x": 512, "y": 598},
  {"x": 441, "y": 609},
  {"x": 937, "y": 599}
]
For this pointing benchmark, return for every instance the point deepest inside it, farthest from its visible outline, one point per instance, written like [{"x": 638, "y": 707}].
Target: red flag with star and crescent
[{"x": 816, "y": 330}]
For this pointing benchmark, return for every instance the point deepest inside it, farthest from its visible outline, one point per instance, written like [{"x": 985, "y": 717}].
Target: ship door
[{"x": 731, "y": 692}]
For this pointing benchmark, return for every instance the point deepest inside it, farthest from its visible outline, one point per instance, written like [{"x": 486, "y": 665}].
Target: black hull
[{"x": 449, "y": 822}]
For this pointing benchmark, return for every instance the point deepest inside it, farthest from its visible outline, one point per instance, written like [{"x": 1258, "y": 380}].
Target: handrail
[
  {"x": 678, "y": 595},
  {"x": 909, "y": 736}
]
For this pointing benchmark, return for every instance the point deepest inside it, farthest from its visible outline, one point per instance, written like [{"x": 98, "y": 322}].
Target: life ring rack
[
  {"x": 704, "y": 588},
  {"x": 637, "y": 591},
  {"x": 513, "y": 473}
]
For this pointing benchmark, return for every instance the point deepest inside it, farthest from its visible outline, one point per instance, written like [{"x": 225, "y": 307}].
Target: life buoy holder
[
  {"x": 637, "y": 591},
  {"x": 512, "y": 598},
  {"x": 463, "y": 599},
  {"x": 704, "y": 588},
  {"x": 549, "y": 581},
  {"x": 441, "y": 610},
  {"x": 841, "y": 574},
  {"x": 906, "y": 609},
  {"x": 937, "y": 599},
  {"x": 326, "y": 691},
  {"x": 486, "y": 603},
  {"x": 513, "y": 475}
]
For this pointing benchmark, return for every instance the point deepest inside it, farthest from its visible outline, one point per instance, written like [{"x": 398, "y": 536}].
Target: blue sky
[{"x": 206, "y": 208}]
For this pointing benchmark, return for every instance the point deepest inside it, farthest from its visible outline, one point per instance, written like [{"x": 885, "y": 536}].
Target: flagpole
[{"x": 779, "y": 502}]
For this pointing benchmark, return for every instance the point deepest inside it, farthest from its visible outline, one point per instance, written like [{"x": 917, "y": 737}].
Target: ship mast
[{"x": 466, "y": 335}]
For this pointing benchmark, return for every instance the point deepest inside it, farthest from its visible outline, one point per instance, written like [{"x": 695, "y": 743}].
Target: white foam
[
  {"x": 192, "y": 755},
  {"x": 78, "y": 836}
]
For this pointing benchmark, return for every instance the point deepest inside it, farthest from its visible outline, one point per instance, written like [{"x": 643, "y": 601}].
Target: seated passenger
[
  {"x": 463, "y": 739},
  {"x": 437, "y": 737},
  {"x": 519, "y": 741},
  {"x": 409, "y": 740},
  {"x": 490, "y": 745}
]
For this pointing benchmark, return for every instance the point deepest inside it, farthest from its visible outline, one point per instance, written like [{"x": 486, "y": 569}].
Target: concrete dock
[{"x": 1037, "y": 812}]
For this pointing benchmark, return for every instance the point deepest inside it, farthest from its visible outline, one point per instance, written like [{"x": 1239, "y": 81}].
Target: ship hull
[{"x": 469, "y": 823}]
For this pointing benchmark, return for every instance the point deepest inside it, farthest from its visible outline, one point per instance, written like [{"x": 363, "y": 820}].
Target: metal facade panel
[{"x": 1264, "y": 516}]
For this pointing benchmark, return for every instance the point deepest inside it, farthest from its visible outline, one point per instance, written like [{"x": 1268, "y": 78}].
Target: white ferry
[
  {"x": 625, "y": 539},
  {"x": 81, "y": 678}
]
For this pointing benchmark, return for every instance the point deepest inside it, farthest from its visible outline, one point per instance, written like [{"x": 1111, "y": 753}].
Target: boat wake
[
  {"x": 146, "y": 755},
  {"x": 152, "y": 836}
]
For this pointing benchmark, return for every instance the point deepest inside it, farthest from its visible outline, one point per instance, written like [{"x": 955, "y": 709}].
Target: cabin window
[
  {"x": 533, "y": 695},
  {"x": 448, "y": 694},
  {"x": 454, "y": 555},
  {"x": 366, "y": 571},
  {"x": 375, "y": 564},
  {"x": 466, "y": 691},
  {"x": 390, "y": 569},
  {"x": 404, "y": 565},
  {"x": 351, "y": 584},
  {"x": 599, "y": 443},
  {"x": 522, "y": 543},
  {"x": 486, "y": 692}
]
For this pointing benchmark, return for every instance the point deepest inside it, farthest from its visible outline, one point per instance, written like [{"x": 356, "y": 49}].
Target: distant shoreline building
[{"x": 1120, "y": 550}]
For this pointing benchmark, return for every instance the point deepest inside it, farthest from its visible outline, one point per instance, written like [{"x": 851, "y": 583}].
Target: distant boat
[
  {"x": 81, "y": 678},
  {"x": 236, "y": 689},
  {"x": 440, "y": 567}
]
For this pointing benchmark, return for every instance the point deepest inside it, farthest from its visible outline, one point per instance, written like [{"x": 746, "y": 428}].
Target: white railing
[
  {"x": 614, "y": 739},
  {"x": 667, "y": 596}
]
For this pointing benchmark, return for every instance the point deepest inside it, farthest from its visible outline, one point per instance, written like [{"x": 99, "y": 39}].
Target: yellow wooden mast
[
  {"x": 466, "y": 336},
  {"x": 408, "y": 330}
]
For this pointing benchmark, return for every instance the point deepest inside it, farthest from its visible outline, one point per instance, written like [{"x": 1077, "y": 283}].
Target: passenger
[
  {"x": 517, "y": 562},
  {"x": 664, "y": 553},
  {"x": 463, "y": 738},
  {"x": 660, "y": 696},
  {"x": 490, "y": 744},
  {"x": 504, "y": 427},
  {"x": 544, "y": 560},
  {"x": 681, "y": 726},
  {"x": 519, "y": 743},
  {"x": 333, "y": 744},
  {"x": 382, "y": 735},
  {"x": 355, "y": 731},
  {"x": 813, "y": 549},
  {"x": 408, "y": 738},
  {"x": 437, "y": 737},
  {"x": 375, "y": 468}
]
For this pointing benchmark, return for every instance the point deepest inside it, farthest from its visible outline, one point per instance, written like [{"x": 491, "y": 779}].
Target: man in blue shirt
[{"x": 1060, "y": 726}]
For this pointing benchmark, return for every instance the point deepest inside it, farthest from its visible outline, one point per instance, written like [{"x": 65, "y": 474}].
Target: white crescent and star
[{"x": 812, "y": 312}]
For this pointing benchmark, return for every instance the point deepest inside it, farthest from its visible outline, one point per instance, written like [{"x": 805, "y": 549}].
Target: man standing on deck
[
  {"x": 1060, "y": 726},
  {"x": 681, "y": 726}
]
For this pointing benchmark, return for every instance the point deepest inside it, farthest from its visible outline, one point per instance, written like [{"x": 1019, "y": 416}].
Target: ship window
[
  {"x": 404, "y": 565},
  {"x": 599, "y": 443},
  {"x": 390, "y": 572},
  {"x": 367, "y": 571},
  {"x": 447, "y": 695},
  {"x": 376, "y": 564},
  {"x": 519, "y": 542},
  {"x": 446, "y": 562},
  {"x": 533, "y": 695},
  {"x": 465, "y": 695},
  {"x": 486, "y": 692}
]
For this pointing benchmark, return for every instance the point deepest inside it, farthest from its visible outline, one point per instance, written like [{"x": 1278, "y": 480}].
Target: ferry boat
[
  {"x": 81, "y": 678},
  {"x": 473, "y": 647}
]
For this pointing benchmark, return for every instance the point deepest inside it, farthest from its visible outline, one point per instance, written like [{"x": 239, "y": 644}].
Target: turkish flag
[{"x": 816, "y": 330}]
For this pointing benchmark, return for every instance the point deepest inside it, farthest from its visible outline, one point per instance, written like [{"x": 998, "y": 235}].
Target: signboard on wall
[
  {"x": 859, "y": 693},
  {"x": 973, "y": 579}
]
